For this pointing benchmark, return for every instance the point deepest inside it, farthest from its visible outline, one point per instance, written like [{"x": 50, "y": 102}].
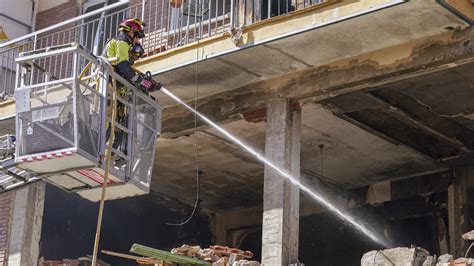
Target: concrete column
[
  {"x": 280, "y": 223},
  {"x": 457, "y": 211},
  {"x": 221, "y": 229},
  {"x": 25, "y": 230},
  {"x": 295, "y": 191}
]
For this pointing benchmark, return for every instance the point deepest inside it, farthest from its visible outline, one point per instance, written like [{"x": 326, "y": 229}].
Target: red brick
[
  {"x": 5, "y": 217},
  {"x": 57, "y": 14}
]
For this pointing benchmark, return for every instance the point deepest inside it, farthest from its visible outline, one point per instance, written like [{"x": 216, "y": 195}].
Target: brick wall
[
  {"x": 5, "y": 220},
  {"x": 48, "y": 18},
  {"x": 57, "y": 14},
  {"x": 54, "y": 16}
]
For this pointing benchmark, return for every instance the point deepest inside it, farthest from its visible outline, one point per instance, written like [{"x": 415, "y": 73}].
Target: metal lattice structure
[{"x": 63, "y": 124}]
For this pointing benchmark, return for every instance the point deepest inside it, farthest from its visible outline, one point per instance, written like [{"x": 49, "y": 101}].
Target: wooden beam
[
  {"x": 139, "y": 260},
  {"x": 165, "y": 255}
]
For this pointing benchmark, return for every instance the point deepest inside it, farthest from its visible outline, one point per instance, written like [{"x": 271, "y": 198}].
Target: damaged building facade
[{"x": 366, "y": 102}]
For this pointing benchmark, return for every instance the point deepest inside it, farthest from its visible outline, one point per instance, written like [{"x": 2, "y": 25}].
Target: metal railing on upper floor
[
  {"x": 170, "y": 23},
  {"x": 87, "y": 30}
]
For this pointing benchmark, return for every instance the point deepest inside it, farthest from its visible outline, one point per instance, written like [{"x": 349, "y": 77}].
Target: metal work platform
[{"x": 63, "y": 107}]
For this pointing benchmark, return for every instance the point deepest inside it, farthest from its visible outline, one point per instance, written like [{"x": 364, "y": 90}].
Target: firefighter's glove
[
  {"x": 156, "y": 85},
  {"x": 147, "y": 85}
]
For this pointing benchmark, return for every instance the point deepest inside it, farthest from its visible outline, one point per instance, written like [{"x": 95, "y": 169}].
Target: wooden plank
[{"x": 140, "y": 260}]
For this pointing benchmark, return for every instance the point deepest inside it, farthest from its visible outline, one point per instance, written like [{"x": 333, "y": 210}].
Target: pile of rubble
[
  {"x": 218, "y": 255},
  {"x": 414, "y": 256},
  {"x": 82, "y": 261}
]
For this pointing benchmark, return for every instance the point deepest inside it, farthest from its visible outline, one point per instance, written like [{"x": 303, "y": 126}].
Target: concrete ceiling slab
[
  {"x": 384, "y": 28},
  {"x": 232, "y": 179},
  {"x": 227, "y": 171},
  {"x": 208, "y": 77},
  {"x": 446, "y": 93},
  {"x": 266, "y": 61},
  {"x": 439, "y": 101},
  {"x": 353, "y": 157},
  {"x": 389, "y": 27}
]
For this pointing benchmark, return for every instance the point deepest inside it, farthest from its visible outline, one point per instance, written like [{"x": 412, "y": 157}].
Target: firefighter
[
  {"x": 126, "y": 49},
  {"x": 131, "y": 30},
  {"x": 135, "y": 53}
]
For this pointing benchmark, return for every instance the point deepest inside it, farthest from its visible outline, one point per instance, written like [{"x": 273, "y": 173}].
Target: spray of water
[{"x": 320, "y": 199}]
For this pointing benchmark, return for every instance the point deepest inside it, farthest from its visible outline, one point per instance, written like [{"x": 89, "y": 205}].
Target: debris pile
[
  {"x": 395, "y": 256},
  {"x": 218, "y": 255},
  {"x": 414, "y": 256},
  {"x": 188, "y": 255},
  {"x": 82, "y": 261}
]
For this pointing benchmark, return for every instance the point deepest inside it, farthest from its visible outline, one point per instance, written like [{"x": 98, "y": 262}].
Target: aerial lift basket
[{"x": 63, "y": 104}]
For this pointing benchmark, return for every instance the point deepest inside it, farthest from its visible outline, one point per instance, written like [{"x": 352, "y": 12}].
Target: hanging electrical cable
[
  {"x": 321, "y": 146},
  {"x": 198, "y": 171}
]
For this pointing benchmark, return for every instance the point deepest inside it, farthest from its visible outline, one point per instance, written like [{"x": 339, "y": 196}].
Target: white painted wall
[{"x": 21, "y": 10}]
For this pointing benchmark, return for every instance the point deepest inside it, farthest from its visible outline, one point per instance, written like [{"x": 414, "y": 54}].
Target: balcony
[
  {"x": 170, "y": 25},
  {"x": 292, "y": 44},
  {"x": 244, "y": 41}
]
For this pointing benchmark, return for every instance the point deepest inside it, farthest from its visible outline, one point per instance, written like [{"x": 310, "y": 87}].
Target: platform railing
[{"x": 71, "y": 114}]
